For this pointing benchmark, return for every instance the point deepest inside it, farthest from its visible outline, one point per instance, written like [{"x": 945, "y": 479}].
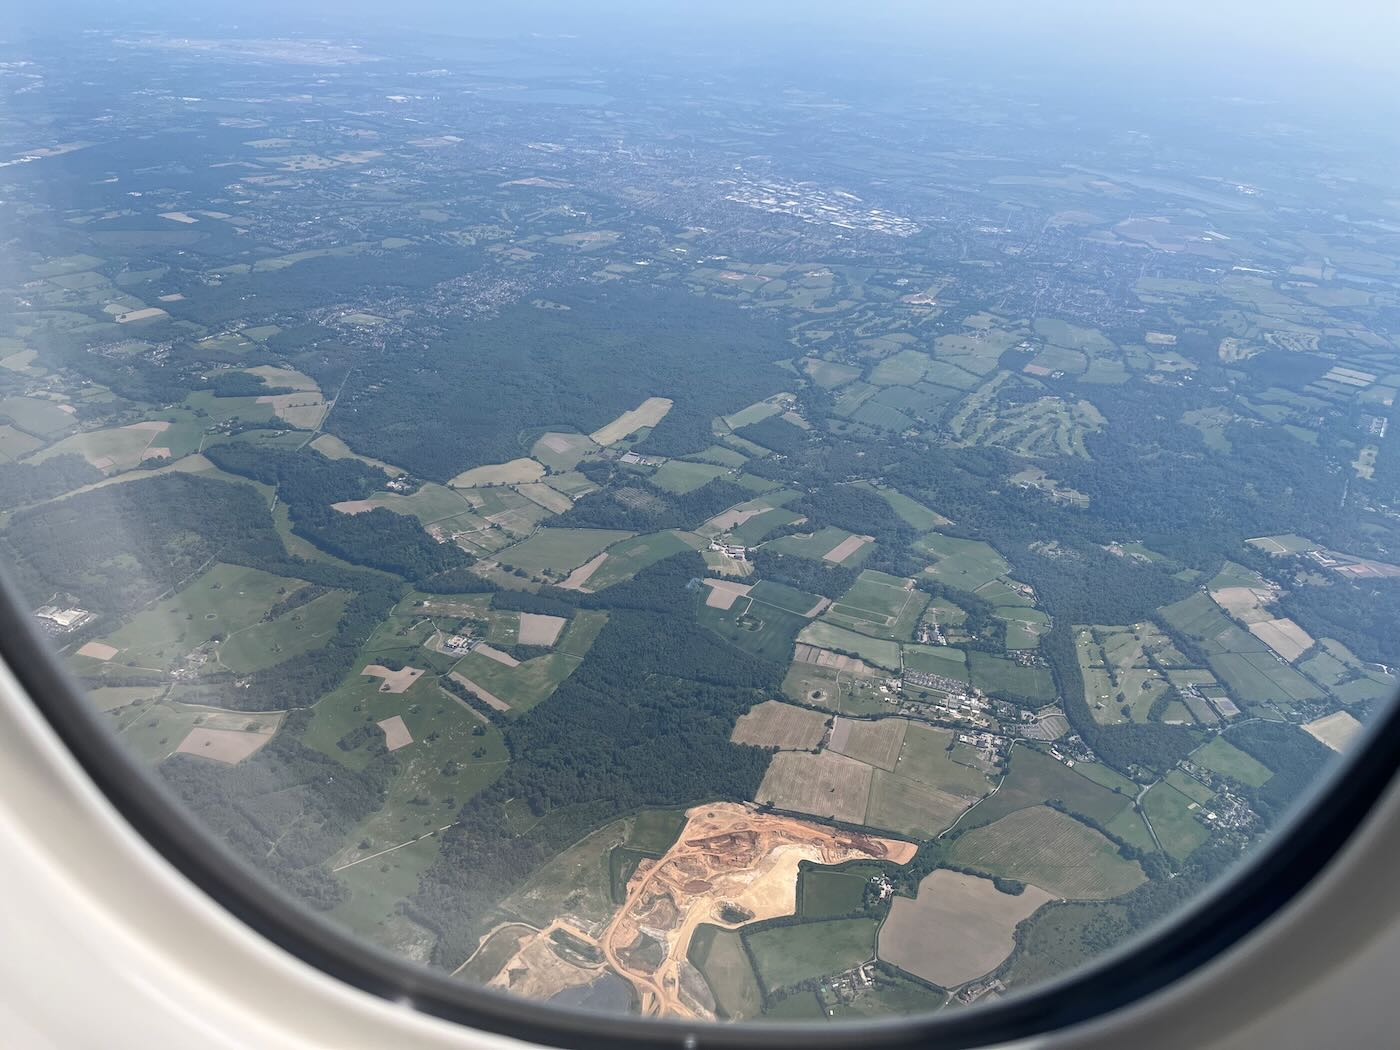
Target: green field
[
  {"x": 725, "y": 457},
  {"x": 764, "y": 630},
  {"x": 1024, "y": 627},
  {"x": 1245, "y": 664},
  {"x": 1002, "y": 593},
  {"x": 829, "y": 374},
  {"x": 453, "y": 756},
  {"x": 720, "y": 957},
  {"x": 655, "y": 831},
  {"x": 1129, "y": 827},
  {"x": 842, "y": 691},
  {"x": 577, "y": 882},
  {"x": 1171, "y": 815},
  {"x": 111, "y": 448},
  {"x": 998, "y": 675},
  {"x": 558, "y": 551},
  {"x": 751, "y": 532},
  {"x": 1050, "y": 850},
  {"x": 799, "y": 1006},
  {"x": 816, "y": 545},
  {"x": 1190, "y": 787},
  {"x": 431, "y": 503},
  {"x": 152, "y": 731},
  {"x": 1035, "y": 777},
  {"x": 966, "y": 564},
  {"x": 36, "y": 416},
  {"x": 937, "y": 659},
  {"x": 582, "y": 631},
  {"x": 901, "y": 369},
  {"x": 784, "y": 597},
  {"x": 787, "y": 955},
  {"x": 1260, "y": 677},
  {"x": 631, "y": 556},
  {"x": 15, "y": 443},
  {"x": 573, "y": 447},
  {"x": 111, "y": 697},
  {"x": 225, "y": 599},
  {"x": 879, "y": 605},
  {"x": 521, "y": 687},
  {"x": 913, "y": 513},
  {"x": 825, "y": 893},
  {"x": 375, "y": 891},
  {"x": 291, "y": 634},
  {"x": 680, "y": 477},
  {"x": 872, "y": 650},
  {"x": 1226, "y": 759},
  {"x": 754, "y": 413},
  {"x": 926, "y": 758},
  {"x": 1105, "y": 777}
]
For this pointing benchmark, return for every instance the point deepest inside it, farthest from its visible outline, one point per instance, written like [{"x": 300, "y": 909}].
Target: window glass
[{"x": 701, "y": 513}]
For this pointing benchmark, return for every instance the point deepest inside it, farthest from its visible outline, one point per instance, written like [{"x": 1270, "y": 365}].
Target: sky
[{"x": 1277, "y": 41}]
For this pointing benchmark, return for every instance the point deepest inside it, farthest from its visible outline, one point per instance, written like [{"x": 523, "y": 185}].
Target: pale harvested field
[
  {"x": 396, "y": 734},
  {"x": 98, "y": 651},
  {"x": 726, "y": 854},
  {"x": 579, "y": 576},
  {"x": 730, "y": 519},
  {"x": 649, "y": 413},
  {"x": 229, "y": 746},
  {"x": 157, "y": 426},
  {"x": 495, "y": 654},
  {"x": 156, "y": 452},
  {"x": 1244, "y": 603},
  {"x": 1337, "y": 730},
  {"x": 785, "y": 726},
  {"x": 516, "y": 472},
  {"x": 561, "y": 442},
  {"x": 1283, "y": 636},
  {"x": 394, "y": 681},
  {"x": 845, "y": 549},
  {"x": 877, "y": 743},
  {"x": 957, "y": 928},
  {"x": 355, "y": 506},
  {"x": 488, "y": 698},
  {"x": 724, "y": 593},
  {"x": 824, "y": 785},
  {"x": 539, "y": 629},
  {"x": 822, "y": 605}
]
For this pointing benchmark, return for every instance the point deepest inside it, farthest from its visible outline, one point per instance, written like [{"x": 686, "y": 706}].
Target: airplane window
[{"x": 712, "y": 517}]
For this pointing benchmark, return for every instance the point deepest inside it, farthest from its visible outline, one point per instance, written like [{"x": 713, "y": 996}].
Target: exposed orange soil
[{"x": 728, "y": 854}]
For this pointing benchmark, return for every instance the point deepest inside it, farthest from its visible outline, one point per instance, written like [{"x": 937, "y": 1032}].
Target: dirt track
[{"x": 728, "y": 854}]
